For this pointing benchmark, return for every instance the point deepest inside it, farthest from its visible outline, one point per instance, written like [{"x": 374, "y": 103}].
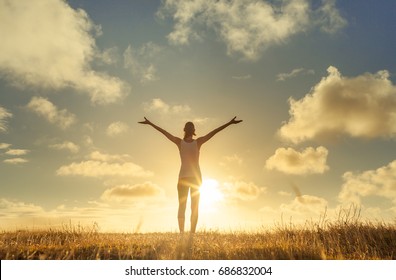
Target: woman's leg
[
  {"x": 195, "y": 194},
  {"x": 182, "y": 190}
]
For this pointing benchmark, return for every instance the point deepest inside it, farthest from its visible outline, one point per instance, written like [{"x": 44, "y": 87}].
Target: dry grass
[{"x": 347, "y": 238}]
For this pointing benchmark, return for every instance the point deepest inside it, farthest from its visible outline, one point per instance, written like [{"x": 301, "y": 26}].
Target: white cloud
[
  {"x": 109, "y": 56},
  {"x": 305, "y": 204},
  {"x": 17, "y": 152},
  {"x": 233, "y": 160},
  {"x": 44, "y": 108},
  {"x": 290, "y": 161},
  {"x": 50, "y": 45},
  {"x": 4, "y": 146},
  {"x": 66, "y": 145},
  {"x": 160, "y": 106},
  {"x": 4, "y": 114},
  {"x": 104, "y": 165},
  {"x": 18, "y": 214},
  {"x": 128, "y": 192},
  {"x": 283, "y": 193},
  {"x": 242, "y": 190},
  {"x": 242, "y": 78},
  {"x": 362, "y": 106},
  {"x": 294, "y": 73},
  {"x": 87, "y": 140},
  {"x": 99, "y": 156},
  {"x": 92, "y": 215},
  {"x": 15, "y": 160},
  {"x": 268, "y": 210},
  {"x": 93, "y": 168},
  {"x": 328, "y": 17},
  {"x": 117, "y": 128},
  {"x": 312, "y": 209},
  {"x": 380, "y": 182},
  {"x": 200, "y": 120},
  {"x": 140, "y": 61},
  {"x": 247, "y": 26},
  {"x": 11, "y": 208}
]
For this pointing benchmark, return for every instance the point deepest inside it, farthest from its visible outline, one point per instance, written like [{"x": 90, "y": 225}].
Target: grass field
[{"x": 339, "y": 240}]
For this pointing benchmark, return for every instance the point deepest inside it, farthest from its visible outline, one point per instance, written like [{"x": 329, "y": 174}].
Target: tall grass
[{"x": 346, "y": 238}]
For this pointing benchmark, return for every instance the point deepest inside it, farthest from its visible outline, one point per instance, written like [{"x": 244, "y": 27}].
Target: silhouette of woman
[{"x": 190, "y": 177}]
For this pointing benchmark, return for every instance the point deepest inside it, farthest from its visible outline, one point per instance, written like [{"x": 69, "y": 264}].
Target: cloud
[
  {"x": 15, "y": 160},
  {"x": 290, "y": 161},
  {"x": 91, "y": 215},
  {"x": 17, "y": 152},
  {"x": 66, "y": 145},
  {"x": 242, "y": 190},
  {"x": 362, "y": 106},
  {"x": 380, "y": 182},
  {"x": 294, "y": 73},
  {"x": 328, "y": 17},
  {"x": 4, "y": 114},
  {"x": 242, "y": 78},
  {"x": 104, "y": 165},
  {"x": 11, "y": 208},
  {"x": 128, "y": 192},
  {"x": 117, "y": 128},
  {"x": 4, "y": 146},
  {"x": 305, "y": 204},
  {"x": 140, "y": 61},
  {"x": 268, "y": 210},
  {"x": 316, "y": 210},
  {"x": 109, "y": 56},
  {"x": 18, "y": 214},
  {"x": 247, "y": 27},
  {"x": 46, "y": 109},
  {"x": 93, "y": 168},
  {"x": 87, "y": 140},
  {"x": 283, "y": 193},
  {"x": 200, "y": 120},
  {"x": 233, "y": 160},
  {"x": 99, "y": 156},
  {"x": 160, "y": 106},
  {"x": 50, "y": 45}
]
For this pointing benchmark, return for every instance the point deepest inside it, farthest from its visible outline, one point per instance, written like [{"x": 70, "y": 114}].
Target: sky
[{"x": 312, "y": 80}]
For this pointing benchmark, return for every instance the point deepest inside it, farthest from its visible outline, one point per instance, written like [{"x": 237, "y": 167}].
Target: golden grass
[{"x": 344, "y": 239}]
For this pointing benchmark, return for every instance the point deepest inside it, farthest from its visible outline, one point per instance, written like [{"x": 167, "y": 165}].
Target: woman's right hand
[{"x": 146, "y": 121}]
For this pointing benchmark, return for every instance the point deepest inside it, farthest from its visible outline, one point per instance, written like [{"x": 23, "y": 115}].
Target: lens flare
[{"x": 210, "y": 194}]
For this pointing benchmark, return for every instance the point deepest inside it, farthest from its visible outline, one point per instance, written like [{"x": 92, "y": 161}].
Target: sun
[{"x": 210, "y": 194}]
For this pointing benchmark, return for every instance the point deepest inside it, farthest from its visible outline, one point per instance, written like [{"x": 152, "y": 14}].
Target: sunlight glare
[{"x": 210, "y": 194}]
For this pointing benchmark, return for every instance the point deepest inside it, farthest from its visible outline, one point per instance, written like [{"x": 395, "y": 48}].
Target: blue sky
[{"x": 314, "y": 82}]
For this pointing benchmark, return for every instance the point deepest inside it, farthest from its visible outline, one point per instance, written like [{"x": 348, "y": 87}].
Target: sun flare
[{"x": 210, "y": 194}]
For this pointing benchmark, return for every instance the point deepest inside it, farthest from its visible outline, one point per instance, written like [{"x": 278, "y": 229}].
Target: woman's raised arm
[
  {"x": 172, "y": 138},
  {"x": 205, "y": 138}
]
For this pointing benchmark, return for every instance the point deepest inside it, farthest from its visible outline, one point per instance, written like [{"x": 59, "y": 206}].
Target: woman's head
[{"x": 189, "y": 130}]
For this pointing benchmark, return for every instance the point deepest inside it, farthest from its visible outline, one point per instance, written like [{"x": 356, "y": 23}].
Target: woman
[{"x": 190, "y": 177}]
